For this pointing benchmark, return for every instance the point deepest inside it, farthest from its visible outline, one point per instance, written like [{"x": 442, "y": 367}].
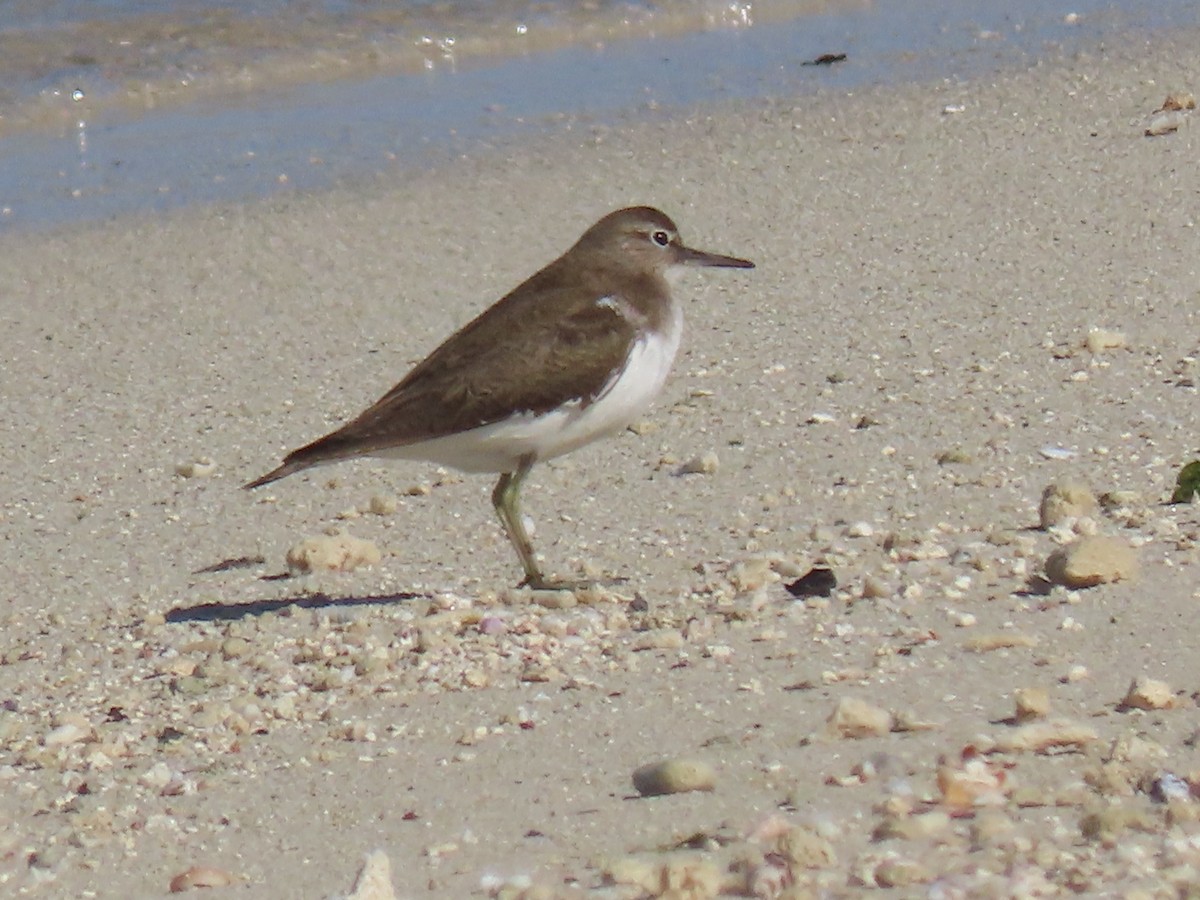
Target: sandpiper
[{"x": 576, "y": 352}]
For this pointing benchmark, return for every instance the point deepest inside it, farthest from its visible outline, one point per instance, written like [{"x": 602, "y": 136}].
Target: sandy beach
[{"x": 965, "y": 293}]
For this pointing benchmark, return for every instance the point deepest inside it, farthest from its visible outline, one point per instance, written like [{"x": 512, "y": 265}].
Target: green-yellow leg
[{"x": 506, "y": 499}]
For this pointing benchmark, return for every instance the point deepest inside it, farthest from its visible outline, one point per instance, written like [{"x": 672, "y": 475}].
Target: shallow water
[{"x": 197, "y": 104}]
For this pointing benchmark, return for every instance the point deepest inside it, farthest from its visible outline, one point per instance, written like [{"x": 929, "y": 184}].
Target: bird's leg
[
  {"x": 507, "y": 502},
  {"x": 506, "y": 499}
]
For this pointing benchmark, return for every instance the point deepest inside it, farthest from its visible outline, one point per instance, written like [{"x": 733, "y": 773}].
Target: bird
[{"x": 576, "y": 352}]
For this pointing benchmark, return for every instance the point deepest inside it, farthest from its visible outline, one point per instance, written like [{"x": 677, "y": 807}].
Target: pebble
[
  {"x": 157, "y": 777},
  {"x": 806, "y": 848},
  {"x": 338, "y": 553},
  {"x": 1064, "y": 502},
  {"x": 751, "y": 574},
  {"x": 704, "y": 464},
  {"x": 554, "y": 598},
  {"x": 1148, "y": 693},
  {"x": 1039, "y": 737},
  {"x": 855, "y": 718},
  {"x": 1165, "y": 122},
  {"x": 1099, "y": 340},
  {"x": 1004, "y": 640},
  {"x": 682, "y": 873},
  {"x": 674, "y": 776},
  {"x": 201, "y": 467},
  {"x": 991, "y": 826},
  {"x": 374, "y": 879},
  {"x": 1179, "y": 100},
  {"x": 896, "y": 872},
  {"x": 67, "y": 733},
  {"x": 1090, "y": 561},
  {"x": 1075, "y": 674},
  {"x": 816, "y": 582},
  {"x": 236, "y": 648},
  {"x": 1032, "y": 703},
  {"x": 1108, "y": 824},
  {"x": 201, "y": 877},
  {"x": 876, "y": 588},
  {"x": 383, "y": 505},
  {"x": 972, "y": 781},
  {"x": 919, "y": 826},
  {"x": 954, "y": 456}
]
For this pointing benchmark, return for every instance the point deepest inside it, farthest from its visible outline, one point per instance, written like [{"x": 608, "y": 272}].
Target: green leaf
[{"x": 1187, "y": 485}]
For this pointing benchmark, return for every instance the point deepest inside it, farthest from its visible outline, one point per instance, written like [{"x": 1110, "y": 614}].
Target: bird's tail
[{"x": 289, "y": 467}]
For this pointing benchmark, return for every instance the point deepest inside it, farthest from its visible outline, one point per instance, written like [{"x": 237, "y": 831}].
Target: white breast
[{"x": 500, "y": 446}]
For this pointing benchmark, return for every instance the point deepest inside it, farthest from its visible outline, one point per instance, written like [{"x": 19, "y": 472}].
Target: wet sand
[{"x": 888, "y": 395}]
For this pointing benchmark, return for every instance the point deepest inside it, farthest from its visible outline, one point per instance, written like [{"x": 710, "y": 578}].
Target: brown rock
[
  {"x": 339, "y": 553},
  {"x": 1065, "y": 501},
  {"x": 1091, "y": 561}
]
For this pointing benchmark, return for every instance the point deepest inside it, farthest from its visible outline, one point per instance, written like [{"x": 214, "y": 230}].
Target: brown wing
[{"x": 533, "y": 351}]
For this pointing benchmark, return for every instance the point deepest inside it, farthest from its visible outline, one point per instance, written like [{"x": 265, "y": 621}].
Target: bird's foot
[{"x": 541, "y": 583}]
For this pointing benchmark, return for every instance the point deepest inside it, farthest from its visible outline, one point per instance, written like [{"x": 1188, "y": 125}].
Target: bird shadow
[{"x": 225, "y": 612}]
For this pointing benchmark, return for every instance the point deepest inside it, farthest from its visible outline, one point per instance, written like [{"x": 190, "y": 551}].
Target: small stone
[
  {"x": 991, "y": 826},
  {"x": 816, "y": 582},
  {"x": 920, "y": 826},
  {"x": 1108, "y": 824},
  {"x": 1064, "y": 502},
  {"x": 674, "y": 776},
  {"x": 1090, "y": 561},
  {"x": 382, "y": 505},
  {"x": 854, "y": 718},
  {"x": 374, "y": 879},
  {"x": 1003, "y": 640},
  {"x": 1179, "y": 100},
  {"x": 658, "y": 639},
  {"x": 235, "y": 648},
  {"x": 900, "y": 873},
  {"x": 954, "y": 457},
  {"x": 751, "y": 574},
  {"x": 805, "y": 848},
  {"x": 1147, "y": 693},
  {"x": 157, "y": 776},
  {"x": 201, "y": 467},
  {"x": 679, "y": 874},
  {"x": 285, "y": 707},
  {"x": 1099, "y": 340},
  {"x": 1032, "y": 703},
  {"x": 972, "y": 781},
  {"x": 1165, "y": 121},
  {"x": 554, "y": 598},
  {"x": 337, "y": 553},
  {"x": 1075, "y": 674},
  {"x": 68, "y": 733},
  {"x": 1039, "y": 737},
  {"x": 705, "y": 464},
  {"x": 201, "y": 877},
  {"x": 875, "y": 588}
]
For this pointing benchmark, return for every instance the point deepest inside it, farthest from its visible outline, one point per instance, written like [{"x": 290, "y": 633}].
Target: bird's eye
[{"x": 660, "y": 237}]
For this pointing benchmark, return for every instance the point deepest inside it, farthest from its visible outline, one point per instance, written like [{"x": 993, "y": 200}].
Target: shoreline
[
  {"x": 270, "y": 143},
  {"x": 881, "y": 393}
]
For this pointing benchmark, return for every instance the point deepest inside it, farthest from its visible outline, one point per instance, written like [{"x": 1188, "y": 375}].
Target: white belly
[{"x": 499, "y": 447}]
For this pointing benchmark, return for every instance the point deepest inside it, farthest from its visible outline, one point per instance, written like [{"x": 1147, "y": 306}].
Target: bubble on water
[
  {"x": 77, "y": 95},
  {"x": 522, "y": 28}
]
